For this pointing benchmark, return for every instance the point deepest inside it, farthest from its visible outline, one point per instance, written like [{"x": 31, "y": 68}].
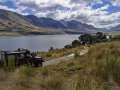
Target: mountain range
[
  {"x": 115, "y": 28},
  {"x": 12, "y": 23},
  {"x": 66, "y": 26}
]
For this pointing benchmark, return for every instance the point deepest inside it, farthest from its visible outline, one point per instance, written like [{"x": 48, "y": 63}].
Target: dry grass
[
  {"x": 59, "y": 52},
  {"x": 114, "y": 33},
  {"x": 98, "y": 70},
  {"x": 2, "y": 74}
]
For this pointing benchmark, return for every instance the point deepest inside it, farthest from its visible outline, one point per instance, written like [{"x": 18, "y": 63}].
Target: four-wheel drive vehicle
[{"x": 20, "y": 57}]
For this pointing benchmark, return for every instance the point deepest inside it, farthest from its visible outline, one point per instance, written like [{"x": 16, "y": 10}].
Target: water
[{"x": 36, "y": 43}]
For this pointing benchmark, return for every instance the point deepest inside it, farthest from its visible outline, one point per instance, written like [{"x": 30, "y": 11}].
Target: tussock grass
[
  {"x": 59, "y": 52},
  {"x": 25, "y": 71},
  {"x": 97, "y": 70},
  {"x": 2, "y": 74},
  {"x": 111, "y": 69}
]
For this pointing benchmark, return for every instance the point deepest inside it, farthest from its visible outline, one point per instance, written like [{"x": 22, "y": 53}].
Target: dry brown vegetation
[
  {"x": 98, "y": 70},
  {"x": 114, "y": 33},
  {"x": 13, "y": 24},
  {"x": 56, "y": 53}
]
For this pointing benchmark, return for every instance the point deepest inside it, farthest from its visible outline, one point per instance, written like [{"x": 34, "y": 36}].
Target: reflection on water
[{"x": 36, "y": 43}]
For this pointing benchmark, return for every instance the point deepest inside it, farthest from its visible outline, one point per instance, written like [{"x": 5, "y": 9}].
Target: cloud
[
  {"x": 68, "y": 9},
  {"x": 84, "y": 1},
  {"x": 116, "y": 2},
  {"x": 18, "y": 10},
  {"x": 6, "y": 8},
  {"x": 80, "y": 10},
  {"x": 2, "y": 1},
  {"x": 42, "y": 5},
  {"x": 106, "y": 20}
]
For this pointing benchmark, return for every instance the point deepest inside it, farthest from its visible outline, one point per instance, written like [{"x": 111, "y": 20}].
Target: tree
[
  {"x": 100, "y": 37},
  {"x": 75, "y": 43},
  {"x": 51, "y": 49},
  {"x": 86, "y": 39},
  {"x": 67, "y": 46}
]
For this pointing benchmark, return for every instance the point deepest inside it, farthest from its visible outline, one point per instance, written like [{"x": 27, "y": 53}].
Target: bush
[
  {"x": 115, "y": 38},
  {"x": 77, "y": 53},
  {"x": 68, "y": 46},
  {"x": 75, "y": 43}
]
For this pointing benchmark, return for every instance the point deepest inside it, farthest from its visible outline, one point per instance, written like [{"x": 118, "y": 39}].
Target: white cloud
[
  {"x": 104, "y": 7},
  {"x": 116, "y": 2},
  {"x": 106, "y": 20},
  {"x": 76, "y": 9},
  {"x": 70, "y": 9},
  {"x": 6, "y": 8},
  {"x": 18, "y": 10}
]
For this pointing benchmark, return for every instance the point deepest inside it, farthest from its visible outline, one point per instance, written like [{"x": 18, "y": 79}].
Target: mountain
[
  {"x": 115, "y": 28},
  {"x": 75, "y": 25},
  {"x": 45, "y": 22},
  {"x": 117, "y": 32},
  {"x": 103, "y": 29},
  {"x": 14, "y": 23},
  {"x": 66, "y": 26}
]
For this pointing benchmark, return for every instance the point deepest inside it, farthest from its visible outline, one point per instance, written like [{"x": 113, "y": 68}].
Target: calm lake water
[{"x": 36, "y": 43}]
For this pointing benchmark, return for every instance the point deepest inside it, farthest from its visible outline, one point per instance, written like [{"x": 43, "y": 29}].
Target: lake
[{"x": 36, "y": 43}]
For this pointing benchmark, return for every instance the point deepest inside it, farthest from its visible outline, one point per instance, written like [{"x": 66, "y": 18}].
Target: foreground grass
[{"x": 98, "y": 70}]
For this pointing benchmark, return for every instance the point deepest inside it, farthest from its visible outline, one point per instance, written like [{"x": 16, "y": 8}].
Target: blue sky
[{"x": 100, "y": 13}]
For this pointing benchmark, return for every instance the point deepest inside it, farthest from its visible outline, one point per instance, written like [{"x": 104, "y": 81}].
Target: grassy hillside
[
  {"x": 114, "y": 33},
  {"x": 11, "y": 22},
  {"x": 98, "y": 70}
]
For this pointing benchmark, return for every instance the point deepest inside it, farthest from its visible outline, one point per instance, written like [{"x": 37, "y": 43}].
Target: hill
[
  {"x": 115, "y": 28},
  {"x": 71, "y": 26},
  {"x": 116, "y": 32},
  {"x": 14, "y": 23}
]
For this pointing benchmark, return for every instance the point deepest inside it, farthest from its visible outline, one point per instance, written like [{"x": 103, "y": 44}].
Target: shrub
[
  {"x": 77, "y": 53},
  {"x": 75, "y": 43},
  {"x": 68, "y": 46}
]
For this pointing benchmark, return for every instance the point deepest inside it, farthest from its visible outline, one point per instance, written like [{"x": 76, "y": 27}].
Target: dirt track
[{"x": 64, "y": 58}]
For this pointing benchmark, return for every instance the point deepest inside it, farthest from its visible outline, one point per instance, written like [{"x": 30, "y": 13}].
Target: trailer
[{"x": 20, "y": 57}]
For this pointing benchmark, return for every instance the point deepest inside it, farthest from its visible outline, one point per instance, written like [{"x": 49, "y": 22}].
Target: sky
[{"x": 99, "y": 13}]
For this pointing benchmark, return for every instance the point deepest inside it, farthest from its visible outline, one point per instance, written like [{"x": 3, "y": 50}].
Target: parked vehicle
[{"x": 20, "y": 57}]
